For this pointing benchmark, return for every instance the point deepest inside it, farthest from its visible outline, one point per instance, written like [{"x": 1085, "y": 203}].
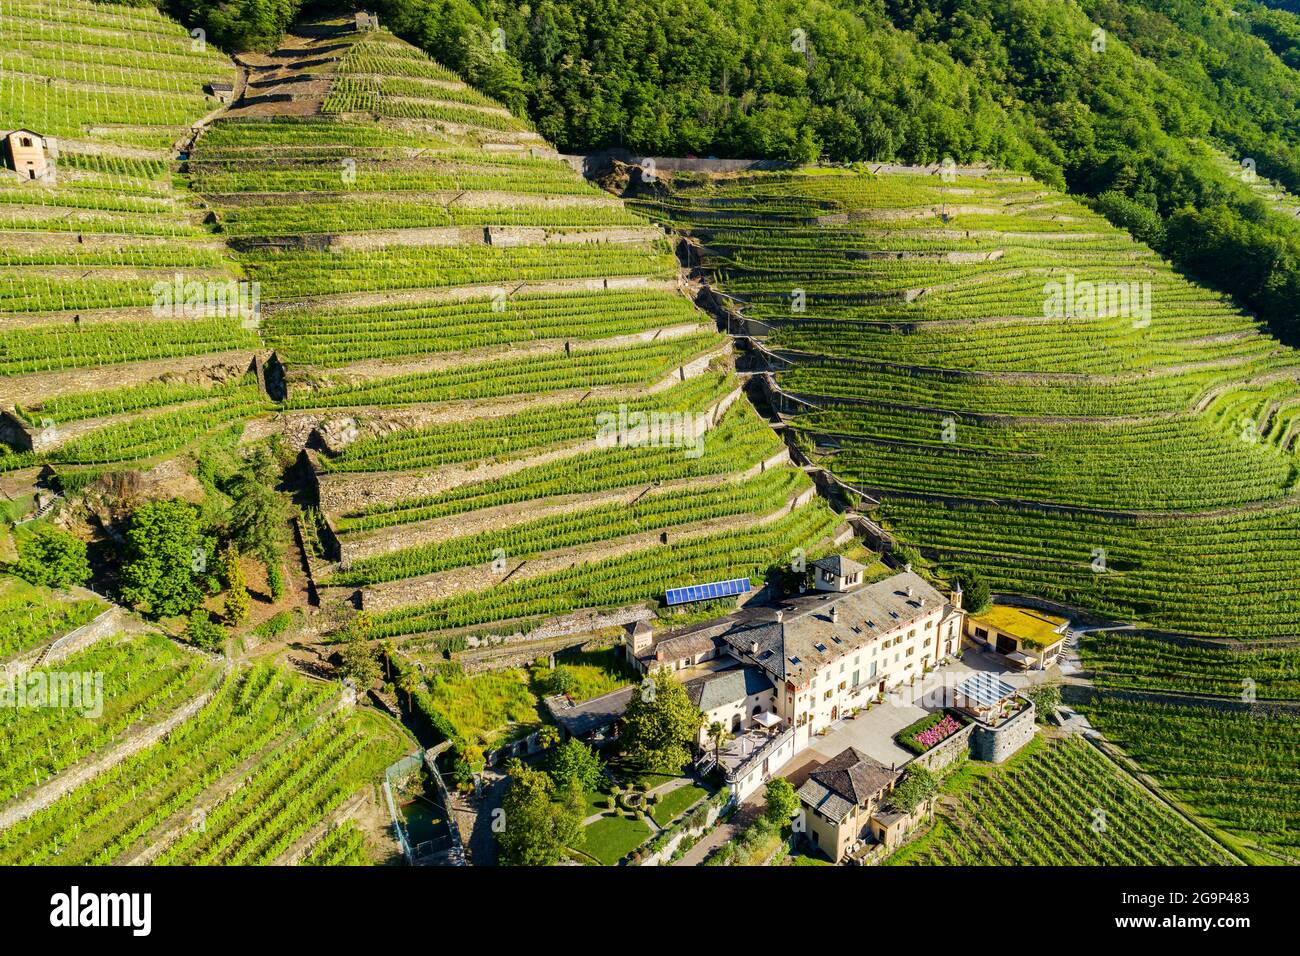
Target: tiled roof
[
  {"x": 726, "y": 687},
  {"x": 848, "y": 779},
  {"x": 838, "y": 565},
  {"x": 687, "y": 643},
  {"x": 806, "y": 638},
  {"x": 591, "y": 715}
]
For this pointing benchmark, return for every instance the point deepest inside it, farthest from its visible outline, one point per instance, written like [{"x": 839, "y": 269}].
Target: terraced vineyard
[
  {"x": 1239, "y": 770},
  {"x": 1064, "y": 804},
  {"x": 1118, "y": 661},
  {"x": 459, "y": 312},
  {"x": 439, "y": 288},
  {"x": 1022, "y": 387},
  {"x": 98, "y": 366},
  {"x": 264, "y": 760},
  {"x": 31, "y": 616},
  {"x": 142, "y": 679}
]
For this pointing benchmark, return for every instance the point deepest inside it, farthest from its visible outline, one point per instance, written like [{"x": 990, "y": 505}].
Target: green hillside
[
  {"x": 97, "y": 367},
  {"x": 944, "y": 355},
  {"x": 458, "y": 309}
]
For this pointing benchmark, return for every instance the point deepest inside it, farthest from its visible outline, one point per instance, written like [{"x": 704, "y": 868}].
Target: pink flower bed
[{"x": 943, "y": 729}]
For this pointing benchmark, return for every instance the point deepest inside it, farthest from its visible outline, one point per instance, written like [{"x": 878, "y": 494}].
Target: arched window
[{"x": 735, "y": 723}]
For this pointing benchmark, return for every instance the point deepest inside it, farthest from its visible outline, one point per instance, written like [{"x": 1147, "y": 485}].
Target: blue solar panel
[{"x": 706, "y": 592}]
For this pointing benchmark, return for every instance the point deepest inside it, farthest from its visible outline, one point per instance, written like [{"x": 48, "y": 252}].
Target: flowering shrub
[{"x": 943, "y": 729}]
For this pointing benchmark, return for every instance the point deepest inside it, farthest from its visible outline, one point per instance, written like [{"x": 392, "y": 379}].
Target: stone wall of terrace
[
  {"x": 356, "y": 547},
  {"x": 475, "y": 578},
  {"x": 344, "y": 493},
  {"x": 211, "y": 368},
  {"x": 947, "y": 751},
  {"x": 585, "y": 622},
  {"x": 996, "y": 744}
]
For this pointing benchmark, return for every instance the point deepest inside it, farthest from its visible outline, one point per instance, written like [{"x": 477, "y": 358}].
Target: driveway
[{"x": 872, "y": 731}]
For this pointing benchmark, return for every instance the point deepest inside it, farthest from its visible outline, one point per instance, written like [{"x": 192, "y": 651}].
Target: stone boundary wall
[
  {"x": 107, "y": 623},
  {"x": 946, "y": 751},
  {"x": 996, "y": 744},
  {"x": 345, "y": 492},
  {"x": 456, "y": 236},
  {"x": 664, "y": 854},
  {"x": 31, "y": 388},
  {"x": 472, "y": 579},
  {"x": 488, "y": 658},
  {"x": 599, "y": 163},
  {"x": 382, "y": 540},
  {"x": 583, "y": 622}
]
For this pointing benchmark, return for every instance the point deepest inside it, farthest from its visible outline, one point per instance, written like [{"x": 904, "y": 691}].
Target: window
[
  {"x": 855, "y": 678},
  {"x": 911, "y": 651},
  {"x": 981, "y": 633},
  {"x": 828, "y": 694},
  {"x": 873, "y": 670},
  {"x": 841, "y": 667},
  {"x": 929, "y": 624},
  {"x": 911, "y": 634},
  {"x": 842, "y": 685}
]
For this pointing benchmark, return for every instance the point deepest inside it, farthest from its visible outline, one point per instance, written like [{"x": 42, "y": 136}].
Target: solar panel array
[
  {"x": 985, "y": 689},
  {"x": 706, "y": 592}
]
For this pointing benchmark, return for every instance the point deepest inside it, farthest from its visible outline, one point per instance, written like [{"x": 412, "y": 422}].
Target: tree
[
  {"x": 575, "y": 761},
  {"x": 470, "y": 759},
  {"x": 1046, "y": 698},
  {"x": 166, "y": 571},
  {"x": 718, "y": 734},
  {"x": 408, "y": 683},
  {"x": 917, "y": 786},
  {"x": 782, "y": 801},
  {"x": 548, "y": 736},
  {"x": 359, "y": 662},
  {"x": 975, "y": 593},
  {"x": 52, "y": 557},
  {"x": 274, "y": 576},
  {"x": 202, "y": 631},
  {"x": 660, "y": 725},
  {"x": 237, "y": 600},
  {"x": 539, "y": 818},
  {"x": 259, "y": 515},
  {"x": 561, "y": 680}
]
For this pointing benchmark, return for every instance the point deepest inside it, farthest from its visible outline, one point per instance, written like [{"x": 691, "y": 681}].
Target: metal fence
[{"x": 396, "y": 776}]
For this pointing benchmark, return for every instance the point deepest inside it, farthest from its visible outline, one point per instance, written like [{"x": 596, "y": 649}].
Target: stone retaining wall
[
  {"x": 81, "y": 773},
  {"x": 996, "y": 744},
  {"x": 947, "y": 751},
  {"x": 108, "y": 623}
]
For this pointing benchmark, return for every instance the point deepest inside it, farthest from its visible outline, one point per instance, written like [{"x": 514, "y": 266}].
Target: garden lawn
[
  {"x": 595, "y": 801},
  {"x": 611, "y": 838},
  {"x": 677, "y": 802}
]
